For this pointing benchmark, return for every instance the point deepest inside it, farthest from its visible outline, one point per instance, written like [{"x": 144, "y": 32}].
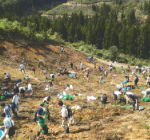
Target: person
[
  {"x": 87, "y": 76},
  {"x": 102, "y": 69},
  {"x": 24, "y": 60},
  {"x": 146, "y": 92},
  {"x": 71, "y": 65},
  {"x": 81, "y": 66},
  {"x": 64, "y": 114},
  {"x": 22, "y": 68},
  {"x": 22, "y": 91},
  {"x": 148, "y": 81},
  {"x": 122, "y": 67},
  {"x": 6, "y": 110},
  {"x": 128, "y": 68},
  {"x": 7, "y": 76},
  {"x": 33, "y": 69},
  {"x": 94, "y": 62},
  {"x": 105, "y": 73},
  {"x": 51, "y": 86},
  {"x": 110, "y": 67},
  {"x": 104, "y": 99},
  {"x": 126, "y": 94},
  {"x": 101, "y": 78},
  {"x": 8, "y": 123},
  {"x": 117, "y": 94},
  {"x": 27, "y": 78},
  {"x": 45, "y": 74},
  {"x": 40, "y": 63},
  {"x": 46, "y": 102},
  {"x": 59, "y": 69},
  {"x": 30, "y": 89},
  {"x": 18, "y": 81},
  {"x": 136, "y": 80},
  {"x": 13, "y": 108},
  {"x": 144, "y": 73},
  {"x": 16, "y": 99},
  {"x": 139, "y": 70},
  {"x": 40, "y": 118},
  {"x": 118, "y": 87},
  {"x": 133, "y": 72},
  {"x": 62, "y": 50},
  {"x": 87, "y": 70},
  {"x": 64, "y": 70},
  {"x": 114, "y": 76},
  {"x": 134, "y": 101},
  {"x": 5, "y": 89},
  {"x": 89, "y": 58},
  {"x": 16, "y": 89},
  {"x": 124, "y": 72},
  {"x": 127, "y": 78},
  {"x": 99, "y": 69}
]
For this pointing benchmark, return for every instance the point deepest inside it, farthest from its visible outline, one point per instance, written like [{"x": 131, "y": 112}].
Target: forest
[{"x": 102, "y": 30}]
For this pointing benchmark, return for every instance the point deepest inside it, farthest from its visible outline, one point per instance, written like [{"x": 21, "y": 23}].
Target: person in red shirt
[{"x": 33, "y": 69}]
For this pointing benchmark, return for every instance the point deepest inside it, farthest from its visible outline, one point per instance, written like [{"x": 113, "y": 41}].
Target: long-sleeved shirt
[
  {"x": 64, "y": 111},
  {"x": 136, "y": 79},
  {"x": 16, "y": 99},
  {"x": 22, "y": 66}
]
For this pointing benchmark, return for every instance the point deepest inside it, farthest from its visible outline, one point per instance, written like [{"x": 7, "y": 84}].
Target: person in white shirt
[
  {"x": 117, "y": 94},
  {"x": 148, "y": 80},
  {"x": 81, "y": 66},
  {"x": 126, "y": 94},
  {"x": 146, "y": 92},
  {"x": 137, "y": 68},
  {"x": 8, "y": 123},
  {"x": 118, "y": 87},
  {"x": 64, "y": 114},
  {"x": 16, "y": 100},
  {"x": 30, "y": 89}
]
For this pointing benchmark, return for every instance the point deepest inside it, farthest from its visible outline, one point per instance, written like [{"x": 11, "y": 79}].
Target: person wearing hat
[
  {"x": 126, "y": 94},
  {"x": 50, "y": 86},
  {"x": 118, "y": 87},
  {"x": 146, "y": 92},
  {"x": 22, "y": 91},
  {"x": 27, "y": 78},
  {"x": 8, "y": 76},
  {"x": 117, "y": 94},
  {"x": 46, "y": 103},
  {"x": 40, "y": 118},
  {"x": 16, "y": 99},
  {"x": 64, "y": 114},
  {"x": 6, "y": 110},
  {"x": 8, "y": 123},
  {"x": 134, "y": 99}
]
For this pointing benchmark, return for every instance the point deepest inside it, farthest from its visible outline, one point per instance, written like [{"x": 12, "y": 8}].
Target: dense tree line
[{"x": 103, "y": 30}]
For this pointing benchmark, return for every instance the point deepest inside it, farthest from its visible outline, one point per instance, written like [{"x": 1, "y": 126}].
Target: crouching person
[
  {"x": 134, "y": 99},
  {"x": 104, "y": 99},
  {"x": 64, "y": 114},
  {"x": 9, "y": 128}
]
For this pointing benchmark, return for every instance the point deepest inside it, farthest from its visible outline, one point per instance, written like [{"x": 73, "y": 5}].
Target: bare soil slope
[{"x": 96, "y": 122}]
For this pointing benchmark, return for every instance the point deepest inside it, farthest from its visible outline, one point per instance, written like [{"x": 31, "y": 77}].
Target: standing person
[
  {"x": 94, "y": 62},
  {"x": 62, "y": 50},
  {"x": 40, "y": 63},
  {"x": 136, "y": 80},
  {"x": 30, "y": 89},
  {"x": 40, "y": 118},
  {"x": 71, "y": 65},
  {"x": 16, "y": 100},
  {"x": 114, "y": 77},
  {"x": 9, "y": 128},
  {"x": 139, "y": 70},
  {"x": 81, "y": 66},
  {"x": 148, "y": 81},
  {"x": 6, "y": 110},
  {"x": 110, "y": 67},
  {"x": 127, "y": 78},
  {"x": 122, "y": 67},
  {"x": 50, "y": 86},
  {"x": 13, "y": 108},
  {"x": 22, "y": 68},
  {"x": 134, "y": 101},
  {"x": 128, "y": 68},
  {"x": 16, "y": 90},
  {"x": 45, "y": 74},
  {"x": 87, "y": 76},
  {"x": 99, "y": 69},
  {"x": 105, "y": 73},
  {"x": 33, "y": 69},
  {"x": 24, "y": 60},
  {"x": 64, "y": 114}
]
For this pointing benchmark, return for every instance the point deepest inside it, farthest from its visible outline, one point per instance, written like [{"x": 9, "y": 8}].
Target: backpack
[{"x": 69, "y": 112}]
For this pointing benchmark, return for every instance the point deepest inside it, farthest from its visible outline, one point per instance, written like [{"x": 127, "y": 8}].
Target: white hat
[{"x": 143, "y": 92}]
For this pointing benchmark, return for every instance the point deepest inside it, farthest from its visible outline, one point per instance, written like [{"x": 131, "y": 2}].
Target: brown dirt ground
[{"x": 96, "y": 122}]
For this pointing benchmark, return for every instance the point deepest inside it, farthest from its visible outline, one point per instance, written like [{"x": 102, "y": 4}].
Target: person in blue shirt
[
  {"x": 7, "y": 76},
  {"x": 136, "y": 80},
  {"x": 24, "y": 60},
  {"x": 22, "y": 68},
  {"x": 134, "y": 101},
  {"x": 6, "y": 110}
]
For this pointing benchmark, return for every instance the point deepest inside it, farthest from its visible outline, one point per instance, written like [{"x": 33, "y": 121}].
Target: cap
[{"x": 42, "y": 103}]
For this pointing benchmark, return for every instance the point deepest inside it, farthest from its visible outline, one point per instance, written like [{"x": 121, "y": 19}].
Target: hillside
[{"x": 96, "y": 121}]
